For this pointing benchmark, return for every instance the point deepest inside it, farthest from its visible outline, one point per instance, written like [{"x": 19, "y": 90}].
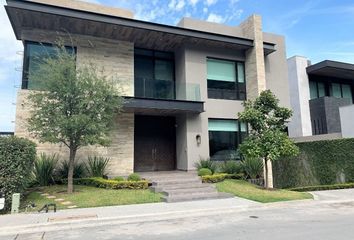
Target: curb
[{"x": 131, "y": 219}]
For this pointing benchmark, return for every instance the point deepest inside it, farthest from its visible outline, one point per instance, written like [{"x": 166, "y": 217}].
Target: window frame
[
  {"x": 154, "y": 56},
  {"x": 238, "y": 136},
  {"x": 26, "y": 60},
  {"x": 328, "y": 88},
  {"x": 239, "y": 89}
]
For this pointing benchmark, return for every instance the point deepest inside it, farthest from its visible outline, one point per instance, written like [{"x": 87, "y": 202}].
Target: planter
[{"x": 257, "y": 181}]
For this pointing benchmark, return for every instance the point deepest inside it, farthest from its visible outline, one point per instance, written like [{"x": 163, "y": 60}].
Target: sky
[{"x": 317, "y": 29}]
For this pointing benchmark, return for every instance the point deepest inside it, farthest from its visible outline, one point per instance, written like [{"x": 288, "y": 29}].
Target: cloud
[
  {"x": 180, "y": 4},
  {"x": 172, "y": 4},
  {"x": 215, "y": 18},
  {"x": 193, "y": 2},
  {"x": 211, "y": 2}
]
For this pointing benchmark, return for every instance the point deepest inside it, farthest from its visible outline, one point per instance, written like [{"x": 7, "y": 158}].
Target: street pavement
[{"x": 329, "y": 216}]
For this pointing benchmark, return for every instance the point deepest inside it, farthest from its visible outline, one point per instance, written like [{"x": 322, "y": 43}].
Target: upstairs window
[
  {"x": 34, "y": 54},
  {"x": 154, "y": 74},
  {"x": 226, "y": 79},
  {"x": 341, "y": 91},
  {"x": 317, "y": 89}
]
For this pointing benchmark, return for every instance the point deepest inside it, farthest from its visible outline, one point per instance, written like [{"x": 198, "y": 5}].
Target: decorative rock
[
  {"x": 44, "y": 194},
  {"x": 72, "y": 206},
  {"x": 66, "y": 203},
  {"x": 50, "y": 197}
]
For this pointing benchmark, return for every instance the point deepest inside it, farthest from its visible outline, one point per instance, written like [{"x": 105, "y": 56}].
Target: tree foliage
[
  {"x": 267, "y": 137},
  {"x": 76, "y": 105}
]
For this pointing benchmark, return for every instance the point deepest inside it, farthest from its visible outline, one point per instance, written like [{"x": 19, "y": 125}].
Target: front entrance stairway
[{"x": 178, "y": 186}]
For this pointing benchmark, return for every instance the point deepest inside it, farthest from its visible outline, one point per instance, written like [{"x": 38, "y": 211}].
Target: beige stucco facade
[{"x": 116, "y": 59}]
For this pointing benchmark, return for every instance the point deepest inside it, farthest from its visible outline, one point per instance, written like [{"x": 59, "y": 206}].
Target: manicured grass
[
  {"x": 247, "y": 190},
  {"x": 86, "y": 196}
]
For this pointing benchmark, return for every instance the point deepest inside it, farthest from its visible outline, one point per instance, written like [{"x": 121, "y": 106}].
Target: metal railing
[{"x": 164, "y": 89}]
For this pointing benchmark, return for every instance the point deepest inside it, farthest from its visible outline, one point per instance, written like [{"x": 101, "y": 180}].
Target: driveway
[{"x": 334, "y": 195}]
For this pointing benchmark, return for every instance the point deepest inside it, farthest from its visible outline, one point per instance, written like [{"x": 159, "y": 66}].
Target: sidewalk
[{"x": 86, "y": 217}]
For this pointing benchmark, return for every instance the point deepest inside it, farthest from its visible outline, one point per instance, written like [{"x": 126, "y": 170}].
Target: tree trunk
[
  {"x": 266, "y": 184},
  {"x": 71, "y": 170}
]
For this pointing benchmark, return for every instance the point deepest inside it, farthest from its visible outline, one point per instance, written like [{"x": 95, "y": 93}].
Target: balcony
[{"x": 167, "y": 97}]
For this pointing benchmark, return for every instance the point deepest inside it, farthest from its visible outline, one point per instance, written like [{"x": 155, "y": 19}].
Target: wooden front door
[{"x": 154, "y": 143}]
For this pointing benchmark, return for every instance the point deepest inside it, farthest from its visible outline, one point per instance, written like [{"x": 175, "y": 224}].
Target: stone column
[{"x": 254, "y": 66}]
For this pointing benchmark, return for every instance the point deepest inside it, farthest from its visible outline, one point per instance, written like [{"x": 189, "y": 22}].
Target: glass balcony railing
[{"x": 162, "y": 89}]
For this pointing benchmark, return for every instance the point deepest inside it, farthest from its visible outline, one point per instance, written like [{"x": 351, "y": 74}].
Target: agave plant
[
  {"x": 44, "y": 168},
  {"x": 79, "y": 170},
  {"x": 96, "y": 166},
  {"x": 231, "y": 167},
  {"x": 253, "y": 167},
  {"x": 206, "y": 163}
]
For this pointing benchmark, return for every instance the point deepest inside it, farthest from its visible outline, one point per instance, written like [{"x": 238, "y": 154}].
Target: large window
[
  {"x": 34, "y": 55},
  {"x": 226, "y": 79},
  {"x": 339, "y": 90},
  {"x": 224, "y": 138},
  {"x": 317, "y": 90},
  {"x": 154, "y": 74}
]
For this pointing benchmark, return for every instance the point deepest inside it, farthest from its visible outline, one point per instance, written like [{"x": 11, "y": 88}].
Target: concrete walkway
[
  {"x": 64, "y": 219},
  {"x": 334, "y": 195}
]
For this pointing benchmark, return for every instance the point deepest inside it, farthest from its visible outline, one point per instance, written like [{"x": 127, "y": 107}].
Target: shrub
[
  {"x": 119, "y": 178},
  {"x": 206, "y": 163},
  {"x": 134, "y": 177},
  {"x": 323, "y": 187},
  {"x": 79, "y": 170},
  {"x": 96, "y": 166},
  {"x": 17, "y": 156},
  {"x": 253, "y": 167},
  {"x": 231, "y": 167},
  {"x": 219, "y": 177},
  {"x": 204, "y": 172},
  {"x": 44, "y": 169},
  {"x": 112, "y": 184}
]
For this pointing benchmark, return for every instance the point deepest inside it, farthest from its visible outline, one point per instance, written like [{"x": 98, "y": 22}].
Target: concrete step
[
  {"x": 187, "y": 191},
  {"x": 161, "y": 188},
  {"x": 162, "y": 178},
  {"x": 194, "y": 197},
  {"x": 177, "y": 181}
]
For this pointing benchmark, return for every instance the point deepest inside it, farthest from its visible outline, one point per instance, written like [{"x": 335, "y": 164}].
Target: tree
[
  {"x": 76, "y": 107},
  {"x": 267, "y": 139}
]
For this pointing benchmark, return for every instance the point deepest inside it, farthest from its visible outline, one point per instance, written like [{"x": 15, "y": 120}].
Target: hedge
[
  {"x": 17, "y": 156},
  {"x": 219, "y": 177},
  {"x": 111, "y": 184},
  {"x": 325, "y": 162},
  {"x": 323, "y": 187}
]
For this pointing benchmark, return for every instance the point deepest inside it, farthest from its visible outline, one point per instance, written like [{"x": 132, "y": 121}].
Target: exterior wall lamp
[{"x": 198, "y": 138}]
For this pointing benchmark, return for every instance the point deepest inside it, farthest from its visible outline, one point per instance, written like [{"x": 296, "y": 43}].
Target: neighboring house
[
  {"x": 6, "y": 134},
  {"x": 184, "y": 84},
  {"x": 321, "y": 97}
]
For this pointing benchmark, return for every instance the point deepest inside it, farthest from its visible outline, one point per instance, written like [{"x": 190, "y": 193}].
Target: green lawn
[
  {"x": 247, "y": 190},
  {"x": 85, "y": 196}
]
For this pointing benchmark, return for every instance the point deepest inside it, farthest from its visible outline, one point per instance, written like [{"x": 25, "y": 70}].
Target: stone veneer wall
[
  {"x": 116, "y": 59},
  {"x": 254, "y": 66}
]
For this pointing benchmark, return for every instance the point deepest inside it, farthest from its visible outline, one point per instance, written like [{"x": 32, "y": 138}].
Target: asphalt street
[{"x": 304, "y": 220}]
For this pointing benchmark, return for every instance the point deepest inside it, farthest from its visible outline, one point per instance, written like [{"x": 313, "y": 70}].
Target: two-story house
[
  {"x": 322, "y": 96},
  {"x": 183, "y": 85}
]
